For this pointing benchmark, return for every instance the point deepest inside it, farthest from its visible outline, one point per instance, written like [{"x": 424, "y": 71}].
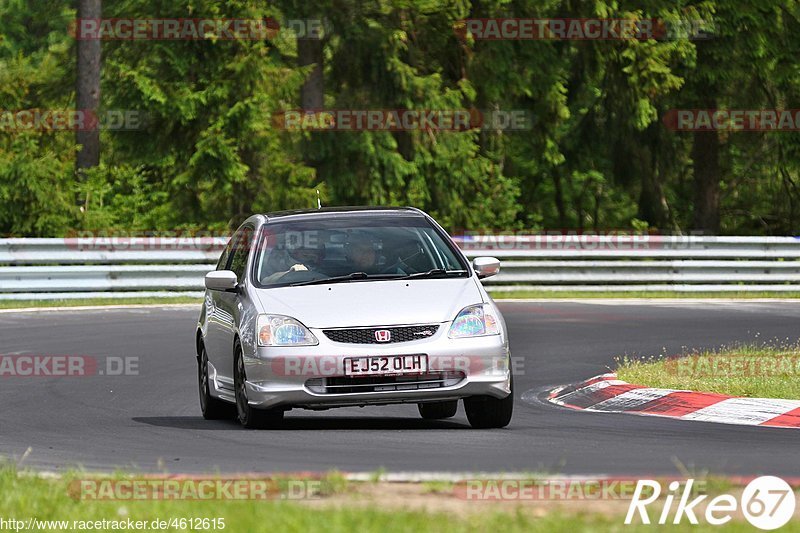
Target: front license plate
[{"x": 386, "y": 365}]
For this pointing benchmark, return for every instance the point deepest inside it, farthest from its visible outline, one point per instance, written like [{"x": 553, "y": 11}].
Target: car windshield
[{"x": 353, "y": 248}]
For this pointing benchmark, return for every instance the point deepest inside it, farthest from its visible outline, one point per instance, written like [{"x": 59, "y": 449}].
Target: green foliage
[{"x": 597, "y": 156}]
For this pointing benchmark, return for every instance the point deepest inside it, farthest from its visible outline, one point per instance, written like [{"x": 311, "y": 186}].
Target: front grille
[
  {"x": 367, "y": 335},
  {"x": 345, "y": 385}
]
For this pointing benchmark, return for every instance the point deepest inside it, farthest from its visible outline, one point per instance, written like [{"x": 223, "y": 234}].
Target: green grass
[
  {"x": 437, "y": 487},
  {"x": 26, "y": 496},
  {"x": 560, "y": 295},
  {"x": 47, "y": 499},
  {"x": 20, "y": 304},
  {"x": 751, "y": 370}
]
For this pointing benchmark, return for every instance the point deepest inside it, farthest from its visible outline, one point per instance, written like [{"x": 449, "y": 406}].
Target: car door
[
  {"x": 226, "y": 307},
  {"x": 214, "y": 320}
]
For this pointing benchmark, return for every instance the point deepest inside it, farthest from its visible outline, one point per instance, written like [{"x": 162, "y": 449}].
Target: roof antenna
[{"x": 319, "y": 202}]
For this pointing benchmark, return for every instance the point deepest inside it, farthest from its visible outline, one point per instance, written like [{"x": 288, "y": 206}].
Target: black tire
[
  {"x": 438, "y": 410},
  {"x": 485, "y": 412},
  {"x": 249, "y": 416},
  {"x": 212, "y": 408}
]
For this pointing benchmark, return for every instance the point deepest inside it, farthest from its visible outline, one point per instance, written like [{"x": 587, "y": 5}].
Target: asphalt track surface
[{"x": 152, "y": 422}]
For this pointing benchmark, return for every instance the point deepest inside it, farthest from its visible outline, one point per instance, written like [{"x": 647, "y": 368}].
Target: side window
[
  {"x": 240, "y": 250},
  {"x": 222, "y": 264}
]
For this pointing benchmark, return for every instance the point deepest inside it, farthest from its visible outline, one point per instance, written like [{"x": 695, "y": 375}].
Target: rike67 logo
[{"x": 767, "y": 502}]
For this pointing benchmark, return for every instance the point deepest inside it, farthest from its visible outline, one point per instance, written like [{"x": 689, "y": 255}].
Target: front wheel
[
  {"x": 487, "y": 412},
  {"x": 249, "y": 416},
  {"x": 438, "y": 410}
]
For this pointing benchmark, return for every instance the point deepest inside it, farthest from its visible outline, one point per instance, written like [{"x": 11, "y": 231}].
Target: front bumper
[{"x": 297, "y": 376}]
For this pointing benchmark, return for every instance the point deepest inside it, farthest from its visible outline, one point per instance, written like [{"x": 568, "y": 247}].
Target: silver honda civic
[{"x": 350, "y": 307}]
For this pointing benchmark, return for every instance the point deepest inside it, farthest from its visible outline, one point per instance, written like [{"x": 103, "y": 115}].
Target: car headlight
[
  {"x": 474, "y": 321},
  {"x": 279, "y": 330}
]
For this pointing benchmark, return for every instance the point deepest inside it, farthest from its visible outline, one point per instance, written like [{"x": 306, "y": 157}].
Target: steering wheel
[
  {"x": 295, "y": 276},
  {"x": 391, "y": 269}
]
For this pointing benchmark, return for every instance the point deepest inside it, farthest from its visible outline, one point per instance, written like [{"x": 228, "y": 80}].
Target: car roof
[{"x": 331, "y": 212}]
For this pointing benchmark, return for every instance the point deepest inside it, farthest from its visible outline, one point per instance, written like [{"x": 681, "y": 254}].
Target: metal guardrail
[{"x": 38, "y": 269}]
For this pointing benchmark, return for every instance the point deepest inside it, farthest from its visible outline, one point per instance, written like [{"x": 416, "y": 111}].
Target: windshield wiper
[
  {"x": 335, "y": 279},
  {"x": 435, "y": 272}
]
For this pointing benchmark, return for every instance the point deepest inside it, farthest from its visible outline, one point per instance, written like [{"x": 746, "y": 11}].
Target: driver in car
[
  {"x": 298, "y": 259},
  {"x": 307, "y": 257},
  {"x": 411, "y": 258}
]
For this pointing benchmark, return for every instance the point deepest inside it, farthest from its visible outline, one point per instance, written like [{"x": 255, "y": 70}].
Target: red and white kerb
[{"x": 607, "y": 394}]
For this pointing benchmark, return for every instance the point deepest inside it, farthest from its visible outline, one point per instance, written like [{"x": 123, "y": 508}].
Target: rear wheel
[
  {"x": 438, "y": 410},
  {"x": 249, "y": 416},
  {"x": 488, "y": 412},
  {"x": 213, "y": 408}
]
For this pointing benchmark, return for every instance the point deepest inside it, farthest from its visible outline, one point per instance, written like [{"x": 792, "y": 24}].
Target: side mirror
[
  {"x": 486, "y": 266},
  {"x": 221, "y": 280}
]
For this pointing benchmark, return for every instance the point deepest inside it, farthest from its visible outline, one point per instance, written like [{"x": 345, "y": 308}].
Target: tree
[{"x": 88, "y": 88}]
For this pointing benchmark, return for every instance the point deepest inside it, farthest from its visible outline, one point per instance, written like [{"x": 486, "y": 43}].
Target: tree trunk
[
  {"x": 559, "y": 200},
  {"x": 88, "y": 89},
  {"x": 706, "y": 148},
  {"x": 653, "y": 206},
  {"x": 309, "y": 52},
  {"x": 639, "y": 154},
  {"x": 705, "y": 154}
]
